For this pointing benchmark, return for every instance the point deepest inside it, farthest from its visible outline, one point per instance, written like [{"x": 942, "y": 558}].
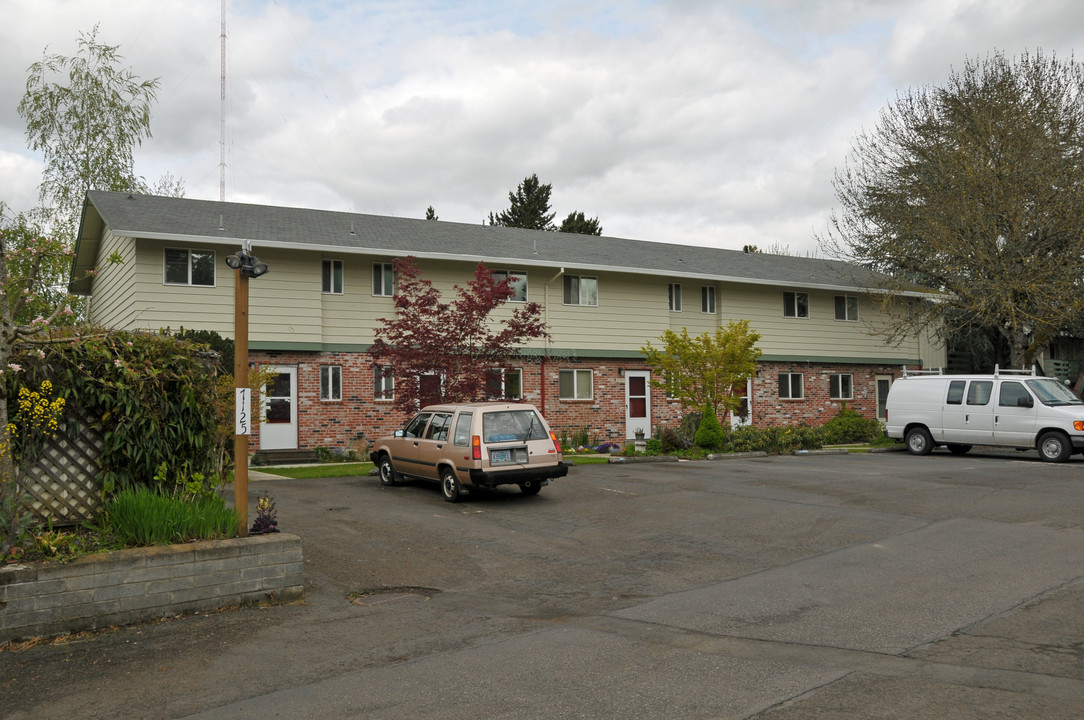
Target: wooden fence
[{"x": 63, "y": 484}]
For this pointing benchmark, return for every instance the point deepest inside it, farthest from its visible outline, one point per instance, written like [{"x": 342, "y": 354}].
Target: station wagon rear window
[{"x": 510, "y": 425}]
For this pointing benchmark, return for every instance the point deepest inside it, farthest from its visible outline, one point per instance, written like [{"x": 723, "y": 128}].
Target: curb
[
  {"x": 736, "y": 456},
  {"x": 829, "y": 451},
  {"x": 620, "y": 459}
]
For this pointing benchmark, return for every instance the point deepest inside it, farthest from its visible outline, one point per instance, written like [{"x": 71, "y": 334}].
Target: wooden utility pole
[{"x": 240, "y": 380}]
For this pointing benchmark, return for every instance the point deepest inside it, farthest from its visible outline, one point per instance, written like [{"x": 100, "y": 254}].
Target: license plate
[{"x": 500, "y": 456}]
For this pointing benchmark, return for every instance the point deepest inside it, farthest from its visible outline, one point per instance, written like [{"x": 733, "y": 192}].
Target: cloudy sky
[{"x": 685, "y": 121}]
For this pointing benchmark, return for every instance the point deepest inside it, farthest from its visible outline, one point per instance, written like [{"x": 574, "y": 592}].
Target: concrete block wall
[{"x": 128, "y": 586}]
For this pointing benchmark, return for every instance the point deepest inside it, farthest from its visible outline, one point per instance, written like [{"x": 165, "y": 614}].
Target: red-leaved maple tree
[{"x": 441, "y": 351}]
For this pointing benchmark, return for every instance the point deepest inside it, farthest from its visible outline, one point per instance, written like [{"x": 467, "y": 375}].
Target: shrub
[
  {"x": 670, "y": 440},
  {"x": 688, "y": 427},
  {"x": 336, "y": 455},
  {"x": 654, "y": 447},
  {"x": 710, "y": 434},
  {"x": 848, "y": 426},
  {"x": 140, "y": 516}
]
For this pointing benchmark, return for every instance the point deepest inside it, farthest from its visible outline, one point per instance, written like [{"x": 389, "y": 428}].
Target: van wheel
[
  {"x": 1054, "y": 447},
  {"x": 919, "y": 441},
  {"x": 530, "y": 487},
  {"x": 449, "y": 485},
  {"x": 388, "y": 476},
  {"x": 958, "y": 449}
]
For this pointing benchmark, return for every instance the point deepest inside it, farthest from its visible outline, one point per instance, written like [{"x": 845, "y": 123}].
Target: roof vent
[
  {"x": 221, "y": 223},
  {"x": 352, "y": 228}
]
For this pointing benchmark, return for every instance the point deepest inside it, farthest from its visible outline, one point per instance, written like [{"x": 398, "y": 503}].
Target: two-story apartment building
[{"x": 313, "y": 316}]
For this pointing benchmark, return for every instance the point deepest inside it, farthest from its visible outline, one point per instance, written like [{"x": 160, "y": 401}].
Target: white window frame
[
  {"x": 835, "y": 386},
  {"x": 790, "y": 386},
  {"x": 847, "y": 309},
  {"x": 328, "y": 277},
  {"x": 576, "y": 383},
  {"x": 675, "y": 297},
  {"x": 500, "y": 275},
  {"x": 503, "y": 376},
  {"x": 188, "y": 263},
  {"x": 331, "y": 383},
  {"x": 790, "y": 309},
  {"x": 383, "y": 384},
  {"x": 707, "y": 299},
  {"x": 580, "y": 290},
  {"x": 381, "y": 271}
]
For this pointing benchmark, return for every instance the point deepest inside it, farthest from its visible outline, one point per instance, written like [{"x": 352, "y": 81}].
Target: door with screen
[
  {"x": 637, "y": 403},
  {"x": 278, "y": 431}
]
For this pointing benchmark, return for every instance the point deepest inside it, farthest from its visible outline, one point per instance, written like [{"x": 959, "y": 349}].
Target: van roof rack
[
  {"x": 933, "y": 371},
  {"x": 1008, "y": 371}
]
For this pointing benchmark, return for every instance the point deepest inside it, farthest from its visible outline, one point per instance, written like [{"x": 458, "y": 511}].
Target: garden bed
[{"x": 128, "y": 586}]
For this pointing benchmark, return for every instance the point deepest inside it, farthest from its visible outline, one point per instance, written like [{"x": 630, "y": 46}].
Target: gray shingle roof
[{"x": 230, "y": 223}]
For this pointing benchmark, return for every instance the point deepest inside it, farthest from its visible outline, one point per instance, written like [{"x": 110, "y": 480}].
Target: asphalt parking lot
[{"x": 859, "y": 586}]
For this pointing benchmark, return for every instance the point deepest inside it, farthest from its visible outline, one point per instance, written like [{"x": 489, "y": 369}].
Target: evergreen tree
[{"x": 530, "y": 207}]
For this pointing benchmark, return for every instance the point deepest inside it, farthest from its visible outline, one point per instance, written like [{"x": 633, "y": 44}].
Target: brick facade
[{"x": 358, "y": 418}]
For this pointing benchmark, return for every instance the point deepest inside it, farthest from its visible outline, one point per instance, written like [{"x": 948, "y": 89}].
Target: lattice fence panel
[{"x": 63, "y": 483}]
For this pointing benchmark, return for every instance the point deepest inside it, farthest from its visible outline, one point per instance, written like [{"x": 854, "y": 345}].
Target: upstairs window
[
  {"x": 795, "y": 304},
  {"x": 517, "y": 280},
  {"x": 580, "y": 290},
  {"x": 383, "y": 279},
  {"x": 190, "y": 267},
  {"x": 707, "y": 299},
  {"x": 675, "y": 297},
  {"x": 846, "y": 307},
  {"x": 333, "y": 277}
]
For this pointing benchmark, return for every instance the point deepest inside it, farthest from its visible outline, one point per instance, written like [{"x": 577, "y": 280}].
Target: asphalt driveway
[{"x": 856, "y": 586}]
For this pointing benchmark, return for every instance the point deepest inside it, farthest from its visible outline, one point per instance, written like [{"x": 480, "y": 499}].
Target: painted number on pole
[{"x": 243, "y": 425}]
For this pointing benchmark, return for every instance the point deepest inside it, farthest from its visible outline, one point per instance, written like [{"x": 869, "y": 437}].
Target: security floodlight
[{"x": 249, "y": 264}]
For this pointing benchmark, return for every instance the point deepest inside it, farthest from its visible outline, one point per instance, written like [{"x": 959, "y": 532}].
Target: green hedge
[{"x": 150, "y": 395}]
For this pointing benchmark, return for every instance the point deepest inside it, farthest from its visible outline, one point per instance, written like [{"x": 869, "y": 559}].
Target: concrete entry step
[{"x": 285, "y": 457}]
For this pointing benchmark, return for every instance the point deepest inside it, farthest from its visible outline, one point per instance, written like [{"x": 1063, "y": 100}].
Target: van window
[
  {"x": 979, "y": 392},
  {"x": 1010, "y": 394},
  {"x": 462, "y": 429},
  {"x": 512, "y": 425},
  {"x": 956, "y": 392}
]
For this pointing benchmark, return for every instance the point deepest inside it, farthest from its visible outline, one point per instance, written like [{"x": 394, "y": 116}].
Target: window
[
  {"x": 675, "y": 297},
  {"x": 417, "y": 426},
  {"x": 438, "y": 428},
  {"x": 517, "y": 280},
  {"x": 707, "y": 299},
  {"x": 956, "y": 392},
  {"x": 190, "y": 267},
  {"x": 841, "y": 387},
  {"x": 462, "y": 429},
  {"x": 504, "y": 384},
  {"x": 978, "y": 393},
  {"x": 383, "y": 279},
  {"x": 790, "y": 386},
  {"x": 1013, "y": 394},
  {"x": 581, "y": 290},
  {"x": 846, "y": 307},
  {"x": 576, "y": 385},
  {"x": 333, "y": 277},
  {"x": 795, "y": 304},
  {"x": 383, "y": 384},
  {"x": 331, "y": 382}
]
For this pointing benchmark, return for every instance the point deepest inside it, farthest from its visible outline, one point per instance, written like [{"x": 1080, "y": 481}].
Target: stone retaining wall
[{"x": 128, "y": 586}]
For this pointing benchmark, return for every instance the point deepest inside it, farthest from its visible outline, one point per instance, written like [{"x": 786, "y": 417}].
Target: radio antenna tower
[{"x": 222, "y": 119}]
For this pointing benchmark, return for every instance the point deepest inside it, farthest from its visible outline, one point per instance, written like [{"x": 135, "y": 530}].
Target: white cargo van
[{"x": 1008, "y": 408}]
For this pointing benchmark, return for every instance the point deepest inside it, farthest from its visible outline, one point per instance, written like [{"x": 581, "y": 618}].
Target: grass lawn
[
  {"x": 319, "y": 471},
  {"x": 588, "y": 459}
]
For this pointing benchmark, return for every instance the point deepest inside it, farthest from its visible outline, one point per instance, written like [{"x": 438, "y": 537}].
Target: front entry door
[
  {"x": 278, "y": 431},
  {"x": 637, "y": 403}
]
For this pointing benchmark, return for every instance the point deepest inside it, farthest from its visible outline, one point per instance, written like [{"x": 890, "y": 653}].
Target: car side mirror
[
  {"x": 399, "y": 433},
  {"x": 1025, "y": 401}
]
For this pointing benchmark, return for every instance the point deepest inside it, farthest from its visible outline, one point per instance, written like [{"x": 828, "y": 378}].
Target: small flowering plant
[{"x": 265, "y": 522}]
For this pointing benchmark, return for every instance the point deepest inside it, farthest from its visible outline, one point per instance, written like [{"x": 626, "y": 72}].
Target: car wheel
[
  {"x": 919, "y": 441},
  {"x": 958, "y": 449},
  {"x": 1054, "y": 447},
  {"x": 449, "y": 485},
  {"x": 388, "y": 476},
  {"x": 530, "y": 487}
]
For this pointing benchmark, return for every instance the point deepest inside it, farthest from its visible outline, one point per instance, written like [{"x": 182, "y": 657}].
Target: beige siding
[
  {"x": 173, "y": 306},
  {"x": 113, "y": 300}
]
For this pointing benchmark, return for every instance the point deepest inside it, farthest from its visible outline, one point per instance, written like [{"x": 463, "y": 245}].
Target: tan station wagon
[{"x": 467, "y": 445}]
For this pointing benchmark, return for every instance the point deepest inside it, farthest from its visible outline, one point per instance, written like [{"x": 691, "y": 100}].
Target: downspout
[{"x": 546, "y": 346}]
